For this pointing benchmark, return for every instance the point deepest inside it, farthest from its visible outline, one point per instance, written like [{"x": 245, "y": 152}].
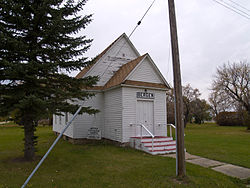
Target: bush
[
  {"x": 230, "y": 119},
  {"x": 44, "y": 122},
  {"x": 246, "y": 121},
  {"x": 170, "y": 113}
]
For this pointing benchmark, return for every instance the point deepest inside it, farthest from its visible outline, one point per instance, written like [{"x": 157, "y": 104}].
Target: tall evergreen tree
[{"x": 38, "y": 46}]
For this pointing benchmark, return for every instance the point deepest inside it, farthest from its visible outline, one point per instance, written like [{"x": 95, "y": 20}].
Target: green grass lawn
[
  {"x": 97, "y": 165},
  {"x": 227, "y": 144}
]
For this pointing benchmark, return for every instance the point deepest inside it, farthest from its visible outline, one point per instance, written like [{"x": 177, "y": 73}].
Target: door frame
[{"x": 138, "y": 127}]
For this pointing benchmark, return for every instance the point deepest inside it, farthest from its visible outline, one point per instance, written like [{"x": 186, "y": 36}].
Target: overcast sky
[{"x": 209, "y": 34}]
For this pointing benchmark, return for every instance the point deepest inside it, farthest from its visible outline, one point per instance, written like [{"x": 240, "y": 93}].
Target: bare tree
[
  {"x": 233, "y": 81},
  {"x": 189, "y": 95},
  {"x": 194, "y": 108},
  {"x": 220, "y": 102},
  {"x": 200, "y": 110}
]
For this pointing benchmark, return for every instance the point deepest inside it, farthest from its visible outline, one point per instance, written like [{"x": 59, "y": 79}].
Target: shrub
[
  {"x": 44, "y": 122},
  {"x": 246, "y": 119},
  {"x": 170, "y": 113},
  {"x": 230, "y": 119}
]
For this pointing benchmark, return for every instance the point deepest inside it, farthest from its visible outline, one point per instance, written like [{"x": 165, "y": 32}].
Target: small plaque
[
  {"x": 94, "y": 133},
  {"x": 145, "y": 95}
]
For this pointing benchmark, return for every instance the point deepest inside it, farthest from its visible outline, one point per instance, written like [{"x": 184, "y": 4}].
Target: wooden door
[{"x": 145, "y": 116}]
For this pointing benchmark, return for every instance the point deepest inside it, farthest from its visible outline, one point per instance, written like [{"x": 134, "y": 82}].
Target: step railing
[
  {"x": 146, "y": 129},
  {"x": 171, "y": 126}
]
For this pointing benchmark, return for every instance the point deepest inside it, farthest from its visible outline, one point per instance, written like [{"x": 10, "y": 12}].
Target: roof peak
[{"x": 98, "y": 57}]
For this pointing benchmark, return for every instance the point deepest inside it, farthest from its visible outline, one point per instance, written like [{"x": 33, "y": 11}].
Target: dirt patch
[
  {"x": 181, "y": 181},
  {"x": 21, "y": 159},
  {"x": 11, "y": 125}
]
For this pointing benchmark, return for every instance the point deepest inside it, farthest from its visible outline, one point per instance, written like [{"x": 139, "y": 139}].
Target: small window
[
  {"x": 55, "y": 119},
  {"x": 60, "y": 120},
  {"x": 66, "y": 117}
]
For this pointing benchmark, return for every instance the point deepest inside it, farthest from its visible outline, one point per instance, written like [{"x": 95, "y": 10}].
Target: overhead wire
[
  {"x": 240, "y": 5},
  {"x": 138, "y": 23},
  {"x": 236, "y": 8},
  {"x": 232, "y": 9},
  {"x": 169, "y": 43}
]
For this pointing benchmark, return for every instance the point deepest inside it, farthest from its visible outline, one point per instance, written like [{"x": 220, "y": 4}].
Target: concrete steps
[{"x": 160, "y": 145}]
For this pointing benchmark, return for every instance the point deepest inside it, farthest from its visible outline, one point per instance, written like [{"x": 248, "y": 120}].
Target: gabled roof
[
  {"x": 120, "y": 77},
  {"x": 87, "y": 68},
  {"x": 123, "y": 72},
  {"x": 155, "y": 68}
]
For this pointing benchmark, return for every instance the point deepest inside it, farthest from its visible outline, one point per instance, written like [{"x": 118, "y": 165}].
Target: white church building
[{"x": 131, "y": 97}]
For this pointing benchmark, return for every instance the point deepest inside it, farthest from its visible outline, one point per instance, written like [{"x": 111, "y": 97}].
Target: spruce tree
[{"x": 39, "y": 49}]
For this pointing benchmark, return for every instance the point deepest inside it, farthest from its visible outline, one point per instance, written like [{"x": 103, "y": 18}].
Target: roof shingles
[
  {"x": 123, "y": 72},
  {"x": 87, "y": 68},
  {"x": 119, "y": 77}
]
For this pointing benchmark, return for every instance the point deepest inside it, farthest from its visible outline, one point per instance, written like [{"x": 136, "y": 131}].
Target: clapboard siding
[
  {"x": 129, "y": 111},
  {"x": 119, "y": 54},
  {"x": 59, "y": 125},
  {"x": 160, "y": 113},
  {"x": 113, "y": 114},
  {"x": 84, "y": 121},
  {"x": 145, "y": 73}
]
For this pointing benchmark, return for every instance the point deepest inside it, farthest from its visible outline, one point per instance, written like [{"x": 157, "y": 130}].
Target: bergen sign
[{"x": 145, "y": 95}]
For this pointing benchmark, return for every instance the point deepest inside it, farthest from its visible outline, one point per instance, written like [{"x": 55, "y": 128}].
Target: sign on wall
[
  {"x": 145, "y": 95},
  {"x": 94, "y": 133}
]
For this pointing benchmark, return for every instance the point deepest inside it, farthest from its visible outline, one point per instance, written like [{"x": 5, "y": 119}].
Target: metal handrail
[
  {"x": 143, "y": 126},
  {"x": 151, "y": 134},
  {"x": 169, "y": 124},
  {"x": 140, "y": 124},
  {"x": 172, "y": 125}
]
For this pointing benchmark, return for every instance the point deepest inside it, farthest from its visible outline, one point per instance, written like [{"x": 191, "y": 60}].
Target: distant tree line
[
  {"x": 229, "y": 100},
  {"x": 196, "y": 110}
]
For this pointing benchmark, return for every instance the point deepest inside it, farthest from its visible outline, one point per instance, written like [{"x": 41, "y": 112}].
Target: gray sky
[{"x": 209, "y": 34}]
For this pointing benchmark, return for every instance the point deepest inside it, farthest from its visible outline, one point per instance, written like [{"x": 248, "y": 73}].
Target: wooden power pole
[{"x": 180, "y": 153}]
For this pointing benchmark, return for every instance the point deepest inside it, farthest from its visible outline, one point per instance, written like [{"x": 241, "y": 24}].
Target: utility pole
[{"x": 180, "y": 154}]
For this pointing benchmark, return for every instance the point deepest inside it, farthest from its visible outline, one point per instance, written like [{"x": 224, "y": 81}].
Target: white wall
[
  {"x": 145, "y": 72},
  {"x": 84, "y": 121},
  {"x": 160, "y": 112},
  {"x": 129, "y": 111},
  {"x": 79, "y": 127},
  {"x": 59, "y": 125},
  {"x": 113, "y": 114}
]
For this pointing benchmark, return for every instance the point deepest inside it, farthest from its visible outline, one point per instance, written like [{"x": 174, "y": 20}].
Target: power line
[
  {"x": 232, "y": 6},
  {"x": 239, "y": 5},
  {"x": 169, "y": 42},
  {"x": 138, "y": 23},
  {"x": 232, "y": 9}
]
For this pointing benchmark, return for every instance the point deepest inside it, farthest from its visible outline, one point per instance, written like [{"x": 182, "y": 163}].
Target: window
[
  {"x": 66, "y": 118},
  {"x": 55, "y": 119},
  {"x": 60, "y": 120}
]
